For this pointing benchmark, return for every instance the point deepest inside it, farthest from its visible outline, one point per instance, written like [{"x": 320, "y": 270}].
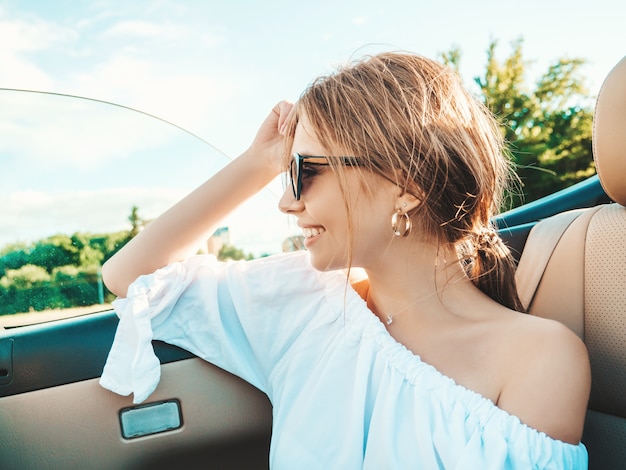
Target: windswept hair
[{"x": 411, "y": 120}]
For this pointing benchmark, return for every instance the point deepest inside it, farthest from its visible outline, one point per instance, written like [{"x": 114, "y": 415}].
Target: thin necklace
[{"x": 390, "y": 316}]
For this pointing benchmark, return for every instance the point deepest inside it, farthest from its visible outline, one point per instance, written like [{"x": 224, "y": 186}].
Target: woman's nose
[{"x": 288, "y": 204}]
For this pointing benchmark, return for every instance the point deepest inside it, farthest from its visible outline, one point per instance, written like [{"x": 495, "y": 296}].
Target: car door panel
[{"x": 66, "y": 420}]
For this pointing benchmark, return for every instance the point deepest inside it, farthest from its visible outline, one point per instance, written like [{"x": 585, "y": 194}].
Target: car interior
[{"x": 572, "y": 268}]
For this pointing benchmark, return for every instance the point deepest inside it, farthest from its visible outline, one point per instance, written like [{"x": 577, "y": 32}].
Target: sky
[{"x": 216, "y": 68}]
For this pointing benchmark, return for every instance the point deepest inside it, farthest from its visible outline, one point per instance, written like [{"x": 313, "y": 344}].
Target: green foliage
[
  {"x": 54, "y": 251},
  {"x": 59, "y": 271},
  {"x": 28, "y": 288},
  {"x": 548, "y": 128},
  {"x": 64, "y": 271},
  {"x": 25, "y": 277},
  {"x": 109, "y": 244},
  {"x": 55, "y": 272},
  {"x": 13, "y": 256},
  {"x": 90, "y": 256},
  {"x": 230, "y": 252},
  {"x": 136, "y": 222}
]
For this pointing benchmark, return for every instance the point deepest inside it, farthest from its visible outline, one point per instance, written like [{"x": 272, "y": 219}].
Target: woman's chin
[{"x": 325, "y": 263}]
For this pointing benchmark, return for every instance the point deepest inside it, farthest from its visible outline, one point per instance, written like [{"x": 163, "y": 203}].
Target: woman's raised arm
[{"x": 178, "y": 232}]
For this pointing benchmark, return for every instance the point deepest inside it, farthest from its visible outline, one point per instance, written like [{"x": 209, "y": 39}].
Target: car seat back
[{"x": 583, "y": 284}]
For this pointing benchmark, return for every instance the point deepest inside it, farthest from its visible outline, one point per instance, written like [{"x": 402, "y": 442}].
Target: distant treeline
[
  {"x": 63, "y": 271},
  {"x": 56, "y": 272}
]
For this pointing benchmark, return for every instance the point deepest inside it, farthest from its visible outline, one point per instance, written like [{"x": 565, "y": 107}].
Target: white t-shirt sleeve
[{"x": 241, "y": 316}]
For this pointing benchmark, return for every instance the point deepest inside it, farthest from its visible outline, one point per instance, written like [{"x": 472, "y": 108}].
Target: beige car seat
[{"x": 584, "y": 281}]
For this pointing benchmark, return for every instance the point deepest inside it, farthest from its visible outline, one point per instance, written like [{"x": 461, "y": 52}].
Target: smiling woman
[
  {"x": 448, "y": 378},
  {"x": 212, "y": 67}
]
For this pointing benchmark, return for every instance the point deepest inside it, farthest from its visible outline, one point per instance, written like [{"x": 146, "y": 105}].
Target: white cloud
[
  {"x": 31, "y": 215},
  {"x": 77, "y": 165},
  {"x": 360, "y": 20},
  {"x": 128, "y": 61},
  {"x": 17, "y": 72},
  {"x": 185, "y": 98},
  {"x": 53, "y": 131},
  {"x": 18, "y": 35},
  {"x": 28, "y": 216},
  {"x": 137, "y": 28},
  {"x": 179, "y": 34}
]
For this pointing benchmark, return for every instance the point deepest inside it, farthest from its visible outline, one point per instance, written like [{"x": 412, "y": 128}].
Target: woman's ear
[{"x": 407, "y": 202}]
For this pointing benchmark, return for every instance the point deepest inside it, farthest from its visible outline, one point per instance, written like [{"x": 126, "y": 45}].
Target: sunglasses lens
[{"x": 294, "y": 172}]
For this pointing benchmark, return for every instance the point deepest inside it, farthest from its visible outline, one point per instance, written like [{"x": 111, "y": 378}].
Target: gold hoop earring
[{"x": 396, "y": 222}]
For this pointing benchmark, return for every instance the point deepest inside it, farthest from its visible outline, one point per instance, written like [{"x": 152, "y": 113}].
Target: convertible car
[{"x": 70, "y": 178}]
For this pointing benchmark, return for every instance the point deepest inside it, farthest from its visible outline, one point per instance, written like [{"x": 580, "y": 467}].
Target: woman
[{"x": 425, "y": 363}]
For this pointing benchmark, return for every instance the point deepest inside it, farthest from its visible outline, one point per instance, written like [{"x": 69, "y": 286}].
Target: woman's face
[{"x": 321, "y": 210}]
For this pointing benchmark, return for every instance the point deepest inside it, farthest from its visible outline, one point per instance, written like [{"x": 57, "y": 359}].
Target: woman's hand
[
  {"x": 178, "y": 232},
  {"x": 269, "y": 143}
]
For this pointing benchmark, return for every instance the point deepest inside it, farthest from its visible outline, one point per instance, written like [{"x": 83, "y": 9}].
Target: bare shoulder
[{"x": 548, "y": 381}]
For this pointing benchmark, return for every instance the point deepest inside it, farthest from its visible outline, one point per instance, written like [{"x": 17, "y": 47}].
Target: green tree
[
  {"x": 30, "y": 288},
  {"x": 78, "y": 285},
  {"x": 54, "y": 251},
  {"x": 136, "y": 222},
  {"x": 90, "y": 256},
  {"x": 548, "y": 129},
  {"x": 13, "y": 256},
  {"x": 55, "y": 272},
  {"x": 230, "y": 252},
  {"x": 25, "y": 277},
  {"x": 109, "y": 244}
]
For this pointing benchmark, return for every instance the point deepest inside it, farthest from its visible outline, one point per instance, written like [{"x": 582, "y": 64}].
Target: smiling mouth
[{"x": 310, "y": 232}]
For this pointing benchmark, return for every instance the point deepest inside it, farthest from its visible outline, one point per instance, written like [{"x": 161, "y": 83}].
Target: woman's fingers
[{"x": 284, "y": 110}]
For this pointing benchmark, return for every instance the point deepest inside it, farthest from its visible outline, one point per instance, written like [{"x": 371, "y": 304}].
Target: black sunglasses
[{"x": 296, "y": 165}]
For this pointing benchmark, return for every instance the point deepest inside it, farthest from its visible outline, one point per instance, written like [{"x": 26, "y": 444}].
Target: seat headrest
[{"x": 609, "y": 133}]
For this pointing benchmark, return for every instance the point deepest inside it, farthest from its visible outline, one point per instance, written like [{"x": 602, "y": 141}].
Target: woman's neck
[{"x": 423, "y": 275}]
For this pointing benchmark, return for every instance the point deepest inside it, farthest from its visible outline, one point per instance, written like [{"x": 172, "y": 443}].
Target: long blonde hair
[{"x": 410, "y": 119}]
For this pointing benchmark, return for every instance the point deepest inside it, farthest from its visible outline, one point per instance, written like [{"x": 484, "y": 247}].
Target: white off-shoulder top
[{"x": 345, "y": 394}]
